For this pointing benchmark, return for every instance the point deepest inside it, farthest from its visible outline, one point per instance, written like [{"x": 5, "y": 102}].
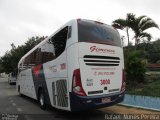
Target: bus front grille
[{"x": 94, "y": 60}]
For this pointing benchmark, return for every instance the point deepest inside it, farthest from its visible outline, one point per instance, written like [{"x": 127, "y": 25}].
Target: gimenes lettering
[{"x": 101, "y": 50}]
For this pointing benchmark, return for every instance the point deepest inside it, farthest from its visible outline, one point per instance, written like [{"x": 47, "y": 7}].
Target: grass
[{"x": 150, "y": 87}]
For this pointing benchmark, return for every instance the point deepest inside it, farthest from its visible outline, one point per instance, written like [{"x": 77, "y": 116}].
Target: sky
[{"x": 22, "y": 19}]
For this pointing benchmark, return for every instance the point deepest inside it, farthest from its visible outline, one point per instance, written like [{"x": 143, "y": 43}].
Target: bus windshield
[{"x": 89, "y": 31}]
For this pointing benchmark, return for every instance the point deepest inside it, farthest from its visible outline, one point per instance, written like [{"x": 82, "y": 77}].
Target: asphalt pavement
[{"x": 15, "y": 107}]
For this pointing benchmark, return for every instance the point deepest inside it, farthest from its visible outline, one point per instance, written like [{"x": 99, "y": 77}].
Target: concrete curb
[{"x": 139, "y": 107}]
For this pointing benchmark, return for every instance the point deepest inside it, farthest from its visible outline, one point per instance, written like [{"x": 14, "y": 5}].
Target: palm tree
[
  {"x": 141, "y": 24},
  {"x": 138, "y": 25},
  {"x": 124, "y": 23}
]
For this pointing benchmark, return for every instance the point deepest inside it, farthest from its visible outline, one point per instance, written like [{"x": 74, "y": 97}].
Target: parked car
[{"x": 12, "y": 78}]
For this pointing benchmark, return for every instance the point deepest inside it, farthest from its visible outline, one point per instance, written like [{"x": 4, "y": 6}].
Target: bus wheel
[{"x": 42, "y": 100}]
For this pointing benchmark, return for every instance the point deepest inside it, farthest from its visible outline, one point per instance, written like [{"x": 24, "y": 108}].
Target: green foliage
[
  {"x": 9, "y": 62},
  {"x": 151, "y": 86},
  {"x": 124, "y": 23},
  {"x": 139, "y": 25},
  {"x": 154, "y": 52},
  {"x": 151, "y": 51},
  {"x": 135, "y": 67},
  {"x": 139, "y": 83}
]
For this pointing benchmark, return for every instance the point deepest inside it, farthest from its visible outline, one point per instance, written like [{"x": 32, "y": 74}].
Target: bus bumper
[{"x": 81, "y": 103}]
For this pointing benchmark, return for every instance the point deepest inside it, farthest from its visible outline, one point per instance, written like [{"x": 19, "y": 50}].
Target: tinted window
[
  {"x": 29, "y": 61},
  {"x": 46, "y": 52},
  {"x": 89, "y": 31},
  {"x": 42, "y": 54},
  {"x": 59, "y": 40},
  {"x": 51, "y": 49}
]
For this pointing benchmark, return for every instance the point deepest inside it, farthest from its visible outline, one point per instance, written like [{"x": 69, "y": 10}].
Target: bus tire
[{"x": 42, "y": 99}]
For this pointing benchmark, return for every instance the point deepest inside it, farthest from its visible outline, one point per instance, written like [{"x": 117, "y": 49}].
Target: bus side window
[
  {"x": 30, "y": 61},
  {"x": 47, "y": 52},
  {"x": 38, "y": 59},
  {"x": 59, "y": 40}
]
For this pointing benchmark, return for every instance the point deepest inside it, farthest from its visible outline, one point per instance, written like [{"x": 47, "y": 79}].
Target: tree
[
  {"x": 135, "y": 67},
  {"x": 9, "y": 62},
  {"x": 154, "y": 51},
  {"x": 33, "y": 41},
  {"x": 1, "y": 68},
  {"x": 6, "y": 63},
  {"x": 124, "y": 23},
  {"x": 139, "y": 25}
]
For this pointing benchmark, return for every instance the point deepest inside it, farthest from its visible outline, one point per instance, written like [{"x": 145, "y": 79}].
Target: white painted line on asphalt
[
  {"x": 14, "y": 104},
  {"x": 19, "y": 110}
]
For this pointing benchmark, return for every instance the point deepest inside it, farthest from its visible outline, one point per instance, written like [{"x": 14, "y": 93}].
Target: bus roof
[{"x": 41, "y": 43}]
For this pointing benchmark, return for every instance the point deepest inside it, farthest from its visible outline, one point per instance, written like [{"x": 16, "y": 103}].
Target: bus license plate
[{"x": 106, "y": 100}]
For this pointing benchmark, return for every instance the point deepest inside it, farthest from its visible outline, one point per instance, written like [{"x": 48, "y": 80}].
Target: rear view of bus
[{"x": 98, "y": 79}]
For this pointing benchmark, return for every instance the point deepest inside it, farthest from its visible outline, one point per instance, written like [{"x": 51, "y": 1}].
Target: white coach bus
[{"x": 79, "y": 67}]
